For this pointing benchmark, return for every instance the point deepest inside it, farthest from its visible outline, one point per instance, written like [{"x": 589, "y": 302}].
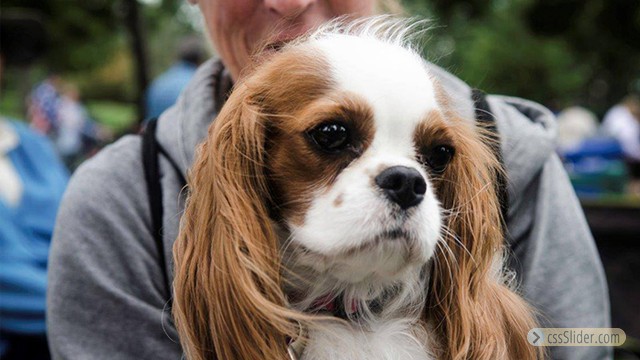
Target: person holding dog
[{"x": 110, "y": 285}]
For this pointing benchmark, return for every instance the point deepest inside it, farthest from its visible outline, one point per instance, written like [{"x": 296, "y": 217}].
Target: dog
[{"x": 340, "y": 208}]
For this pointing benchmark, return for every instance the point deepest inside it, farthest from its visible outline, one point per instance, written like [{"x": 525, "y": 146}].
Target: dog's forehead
[{"x": 392, "y": 79}]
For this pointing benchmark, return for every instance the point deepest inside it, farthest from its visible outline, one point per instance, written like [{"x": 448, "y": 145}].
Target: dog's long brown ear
[
  {"x": 227, "y": 291},
  {"x": 474, "y": 311}
]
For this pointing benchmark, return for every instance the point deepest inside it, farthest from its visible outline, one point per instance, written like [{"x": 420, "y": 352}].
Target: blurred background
[{"x": 95, "y": 69}]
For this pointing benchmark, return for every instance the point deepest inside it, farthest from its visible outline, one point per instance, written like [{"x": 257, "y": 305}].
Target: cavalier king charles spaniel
[{"x": 340, "y": 208}]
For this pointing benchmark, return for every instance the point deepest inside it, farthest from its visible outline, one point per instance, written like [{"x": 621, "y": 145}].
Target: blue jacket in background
[
  {"x": 165, "y": 89},
  {"x": 26, "y": 229}
]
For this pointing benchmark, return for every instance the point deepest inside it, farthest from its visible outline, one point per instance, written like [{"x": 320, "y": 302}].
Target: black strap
[
  {"x": 151, "y": 151},
  {"x": 151, "y": 164},
  {"x": 485, "y": 116}
]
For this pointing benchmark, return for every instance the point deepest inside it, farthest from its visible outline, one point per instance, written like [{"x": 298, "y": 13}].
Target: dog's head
[{"x": 339, "y": 166}]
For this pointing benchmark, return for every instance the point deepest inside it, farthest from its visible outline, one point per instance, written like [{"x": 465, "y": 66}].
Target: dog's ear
[
  {"x": 470, "y": 304},
  {"x": 227, "y": 290}
]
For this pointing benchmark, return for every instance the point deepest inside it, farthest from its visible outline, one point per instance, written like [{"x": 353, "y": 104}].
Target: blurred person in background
[
  {"x": 111, "y": 279},
  {"x": 623, "y": 123},
  {"x": 575, "y": 124},
  {"x": 77, "y": 133},
  {"x": 32, "y": 180},
  {"x": 165, "y": 89},
  {"x": 43, "y": 104},
  {"x": 56, "y": 110}
]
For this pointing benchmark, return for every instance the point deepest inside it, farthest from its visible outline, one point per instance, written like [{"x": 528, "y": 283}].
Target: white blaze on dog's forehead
[{"x": 392, "y": 79}]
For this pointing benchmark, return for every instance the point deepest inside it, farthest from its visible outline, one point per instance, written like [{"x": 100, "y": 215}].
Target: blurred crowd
[{"x": 602, "y": 158}]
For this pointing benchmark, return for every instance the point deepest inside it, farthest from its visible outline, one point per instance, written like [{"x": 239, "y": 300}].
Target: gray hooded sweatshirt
[{"x": 107, "y": 297}]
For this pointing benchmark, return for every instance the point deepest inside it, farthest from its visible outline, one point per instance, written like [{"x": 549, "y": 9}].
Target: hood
[
  {"x": 184, "y": 125},
  {"x": 527, "y": 129}
]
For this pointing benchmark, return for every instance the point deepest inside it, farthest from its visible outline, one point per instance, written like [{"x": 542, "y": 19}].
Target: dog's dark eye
[
  {"x": 438, "y": 157},
  {"x": 330, "y": 137}
]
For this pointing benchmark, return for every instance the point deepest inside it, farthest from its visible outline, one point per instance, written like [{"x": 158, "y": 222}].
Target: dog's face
[{"x": 353, "y": 164}]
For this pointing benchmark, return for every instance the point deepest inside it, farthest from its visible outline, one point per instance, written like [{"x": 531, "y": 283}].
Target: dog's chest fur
[{"x": 390, "y": 340}]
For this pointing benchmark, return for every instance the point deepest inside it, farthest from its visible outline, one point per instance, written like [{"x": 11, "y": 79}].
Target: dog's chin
[{"x": 380, "y": 261}]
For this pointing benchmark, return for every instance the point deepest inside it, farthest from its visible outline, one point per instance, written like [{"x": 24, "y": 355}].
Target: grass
[{"x": 116, "y": 116}]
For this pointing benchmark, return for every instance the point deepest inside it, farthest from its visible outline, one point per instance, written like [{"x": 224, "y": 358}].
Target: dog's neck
[
  {"x": 377, "y": 321},
  {"x": 386, "y": 327}
]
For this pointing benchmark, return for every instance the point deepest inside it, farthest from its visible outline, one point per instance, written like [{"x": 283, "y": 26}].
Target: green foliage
[
  {"x": 80, "y": 33},
  {"x": 113, "y": 80},
  {"x": 557, "y": 52},
  {"x": 502, "y": 56}
]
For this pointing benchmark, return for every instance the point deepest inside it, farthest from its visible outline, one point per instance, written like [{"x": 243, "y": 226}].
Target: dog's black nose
[{"x": 402, "y": 185}]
